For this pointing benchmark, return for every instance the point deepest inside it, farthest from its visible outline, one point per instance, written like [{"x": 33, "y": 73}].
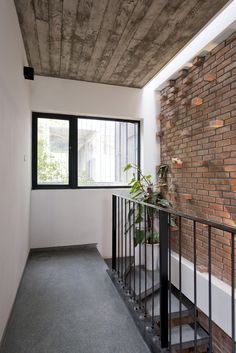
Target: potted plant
[
  {"x": 146, "y": 227},
  {"x": 152, "y": 244}
]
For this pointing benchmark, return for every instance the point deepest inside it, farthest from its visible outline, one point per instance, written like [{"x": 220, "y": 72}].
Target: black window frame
[{"x": 73, "y": 150}]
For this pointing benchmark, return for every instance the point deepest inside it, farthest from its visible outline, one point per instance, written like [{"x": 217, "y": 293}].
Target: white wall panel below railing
[
  {"x": 72, "y": 217},
  {"x": 221, "y": 292}
]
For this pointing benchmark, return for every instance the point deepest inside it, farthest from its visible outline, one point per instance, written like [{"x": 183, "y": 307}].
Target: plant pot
[
  {"x": 156, "y": 252},
  {"x": 141, "y": 252}
]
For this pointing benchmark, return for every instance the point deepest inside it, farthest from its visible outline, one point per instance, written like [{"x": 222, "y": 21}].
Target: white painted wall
[
  {"x": 69, "y": 217},
  {"x": 149, "y": 110},
  {"x": 14, "y": 171},
  {"x": 53, "y": 95}
]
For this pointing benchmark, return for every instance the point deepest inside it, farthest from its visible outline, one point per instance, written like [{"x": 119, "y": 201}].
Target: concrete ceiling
[{"x": 119, "y": 42}]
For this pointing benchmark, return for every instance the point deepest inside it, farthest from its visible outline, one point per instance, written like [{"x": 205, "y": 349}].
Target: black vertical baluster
[
  {"x": 152, "y": 216},
  {"x": 145, "y": 258},
  {"x": 233, "y": 289},
  {"x": 209, "y": 280},
  {"x": 122, "y": 237},
  {"x": 125, "y": 235},
  {"x": 130, "y": 245},
  {"x": 114, "y": 224},
  {"x": 170, "y": 289},
  {"x": 195, "y": 285},
  {"x": 134, "y": 235},
  {"x": 180, "y": 282},
  {"x": 123, "y": 227},
  {"x": 118, "y": 200},
  {"x": 164, "y": 229},
  {"x": 139, "y": 280}
]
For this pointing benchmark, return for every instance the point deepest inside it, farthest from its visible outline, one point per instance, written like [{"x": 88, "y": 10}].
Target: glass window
[
  {"x": 71, "y": 152},
  {"x": 104, "y": 148},
  {"x": 53, "y": 151}
]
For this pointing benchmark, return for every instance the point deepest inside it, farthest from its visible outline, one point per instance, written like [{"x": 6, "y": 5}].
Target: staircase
[
  {"x": 140, "y": 289},
  {"x": 168, "y": 321}
]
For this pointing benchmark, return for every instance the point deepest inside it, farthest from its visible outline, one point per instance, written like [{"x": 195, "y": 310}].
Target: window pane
[
  {"x": 53, "y": 151},
  {"x": 104, "y": 148}
]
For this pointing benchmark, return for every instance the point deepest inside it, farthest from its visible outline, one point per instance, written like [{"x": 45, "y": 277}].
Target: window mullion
[
  {"x": 34, "y": 151},
  {"x": 73, "y": 154}
]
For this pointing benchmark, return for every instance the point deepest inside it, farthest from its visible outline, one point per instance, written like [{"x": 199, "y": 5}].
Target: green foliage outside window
[{"x": 49, "y": 171}]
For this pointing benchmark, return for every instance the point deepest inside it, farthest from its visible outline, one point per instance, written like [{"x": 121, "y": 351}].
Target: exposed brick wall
[
  {"x": 221, "y": 341},
  {"x": 208, "y": 173}
]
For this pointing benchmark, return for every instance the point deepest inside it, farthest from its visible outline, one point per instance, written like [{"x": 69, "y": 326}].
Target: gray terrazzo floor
[{"x": 66, "y": 303}]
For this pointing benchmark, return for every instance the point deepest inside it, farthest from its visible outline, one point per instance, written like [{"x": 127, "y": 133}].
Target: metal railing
[{"x": 159, "y": 299}]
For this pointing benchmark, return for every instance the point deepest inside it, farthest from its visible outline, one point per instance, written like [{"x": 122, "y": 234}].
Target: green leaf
[
  {"x": 132, "y": 181},
  {"x": 136, "y": 196},
  {"x": 139, "y": 237},
  {"x": 152, "y": 238},
  {"x": 173, "y": 223},
  {"x": 164, "y": 203},
  {"x": 133, "y": 190},
  {"x": 127, "y": 167}
]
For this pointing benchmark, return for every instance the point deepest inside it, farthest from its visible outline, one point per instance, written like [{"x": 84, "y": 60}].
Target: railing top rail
[{"x": 173, "y": 212}]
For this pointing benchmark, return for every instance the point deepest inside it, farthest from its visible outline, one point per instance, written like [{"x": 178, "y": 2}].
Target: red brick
[{"x": 213, "y": 184}]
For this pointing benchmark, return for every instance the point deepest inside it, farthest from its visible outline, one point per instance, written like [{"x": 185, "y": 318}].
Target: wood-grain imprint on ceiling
[{"x": 119, "y": 42}]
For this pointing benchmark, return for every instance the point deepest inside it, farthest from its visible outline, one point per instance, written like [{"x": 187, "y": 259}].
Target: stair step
[
  {"x": 186, "y": 307},
  {"x": 128, "y": 273},
  {"x": 139, "y": 274},
  {"x": 188, "y": 336},
  {"x": 123, "y": 264}
]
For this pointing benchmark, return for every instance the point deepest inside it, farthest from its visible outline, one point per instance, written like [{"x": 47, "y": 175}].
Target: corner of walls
[
  {"x": 149, "y": 109},
  {"x": 70, "y": 223}
]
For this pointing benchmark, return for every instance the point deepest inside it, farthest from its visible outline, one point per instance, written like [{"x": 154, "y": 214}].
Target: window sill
[{"x": 66, "y": 187}]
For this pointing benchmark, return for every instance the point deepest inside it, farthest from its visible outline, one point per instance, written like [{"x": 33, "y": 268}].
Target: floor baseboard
[
  {"x": 9, "y": 316},
  {"x": 66, "y": 247}
]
